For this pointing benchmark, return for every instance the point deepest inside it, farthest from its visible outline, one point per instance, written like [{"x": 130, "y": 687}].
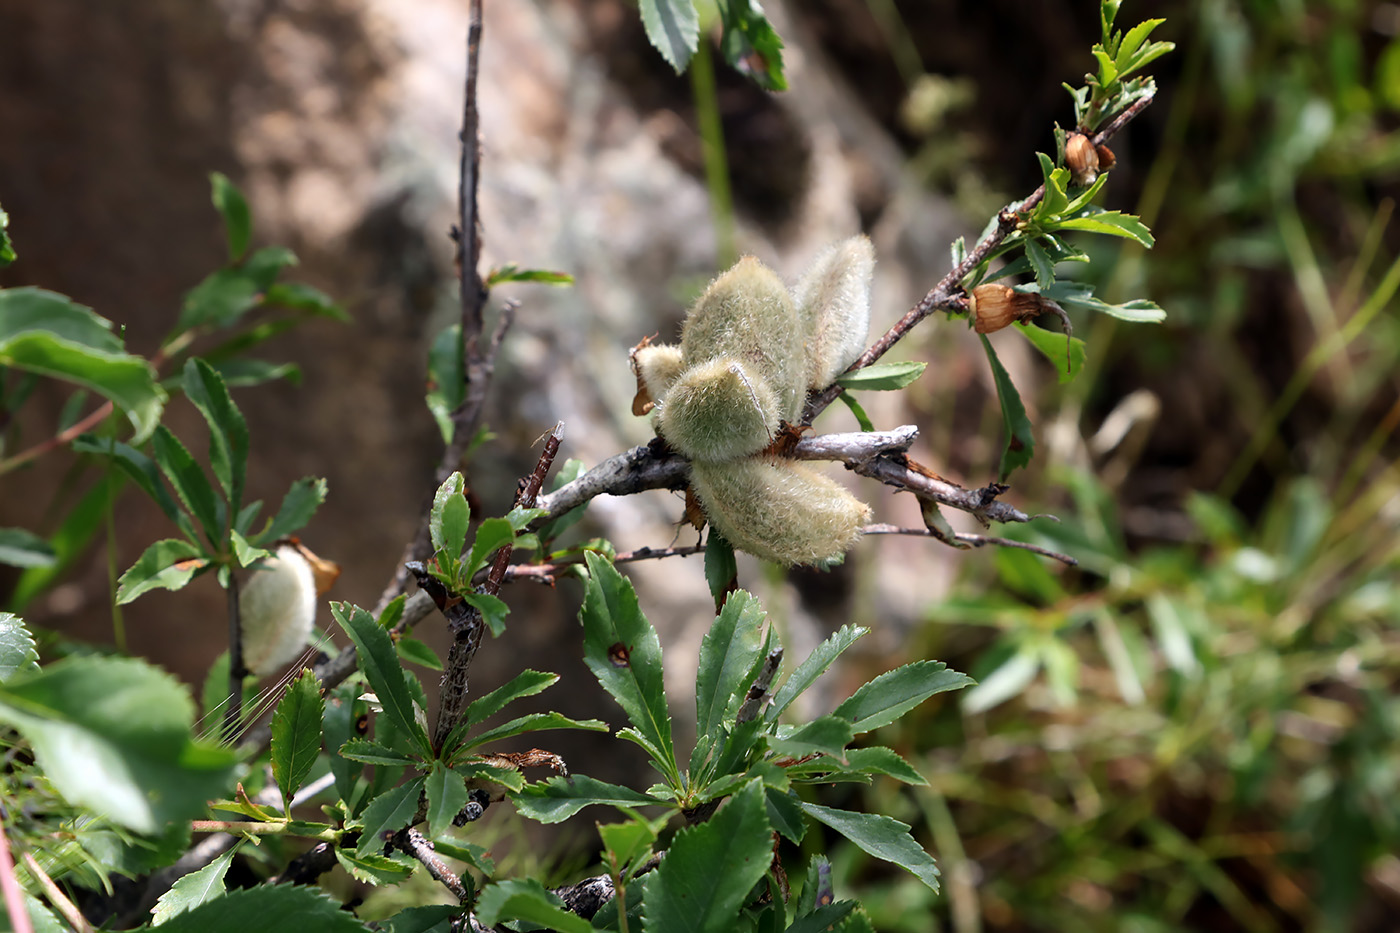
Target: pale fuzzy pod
[
  {"x": 276, "y": 609},
  {"x": 656, "y": 366},
  {"x": 833, "y": 299},
  {"x": 778, "y": 510},
  {"x": 747, "y": 315},
  {"x": 718, "y": 411}
]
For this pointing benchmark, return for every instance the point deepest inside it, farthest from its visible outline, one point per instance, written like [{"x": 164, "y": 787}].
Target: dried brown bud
[
  {"x": 995, "y": 306},
  {"x": 1082, "y": 159},
  {"x": 1106, "y": 157}
]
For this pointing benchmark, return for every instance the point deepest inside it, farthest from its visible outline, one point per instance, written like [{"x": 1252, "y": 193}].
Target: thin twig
[
  {"x": 970, "y": 540},
  {"x": 412, "y": 841},
  {"x": 545, "y": 573},
  {"x": 525, "y": 498},
  {"x": 9, "y": 885},
  {"x": 56, "y": 897},
  {"x": 758, "y": 693},
  {"x": 948, "y": 295}
]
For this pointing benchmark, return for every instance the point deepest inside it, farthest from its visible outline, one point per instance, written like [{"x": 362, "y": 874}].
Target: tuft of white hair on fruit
[
  {"x": 833, "y": 300},
  {"x": 276, "y": 608}
]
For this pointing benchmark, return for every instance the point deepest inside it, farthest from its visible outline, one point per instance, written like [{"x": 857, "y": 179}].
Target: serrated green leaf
[
  {"x": 300, "y": 503},
  {"x": 450, "y": 517},
  {"x": 22, "y": 548},
  {"x": 372, "y": 753},
  {"x": 673, "y": 27},
  {"x": 1077, "y": 294},
  {"x": 493, "y": 610},
  {"x": 1020, "y": 442},
  {"x": 826, "y": 735},
  {"x": 17, "y": 651},
  {"x": 189, "y": 891},
  {"x": 231, "y": 205},
  {"x": 113, "y": 734},
  {"x": 246, "y": 554},
  {"x": 728, "y": 653},
  {"x": 1056, "y": 198},
  {"x": 388, "y": 813},
  {"x": 559, "y": 798},
  {"x": 296, "y": 734},
  {"x": 374, "y": 869},
  {"x": 228, "y": 431},
  {"x": 492, "y": 535},
  {"x": 824, "y": 919},
  {"x": 1113, "y": 223},
  {"x": 380, "y": 664},
  {"x": 447, "y": 795},
  {"x": 883, "y": 376},
  {"x": 283, "y": 908},
  {"x": 821, "y": 658},
  {"x": 168, "y": 565},
  {"x": 527, "y": 900},
  {"x": 140, "y": 469},
  {"x": 882, "y": 837},
  {"x": 721, "y": 569},
  {"x": 859, "y": 761},
  {"x": 526, "y": 683},
  {"x": 1124, "y": 59},
  {"x": 1065, "y": 354},
  {"x": 534, "y": 722},
  {"x": 707, "y": 873},
  {"x": 883, "y": 700},
  {"x": 38, "y": 310},
  {"x": 338, "y": 724},
  {"x": 622, "y": 650},
  {"x": 187, "y": 478},
  {"x": 625, "y": 842},
  {"x": 1041, "y": 263}
]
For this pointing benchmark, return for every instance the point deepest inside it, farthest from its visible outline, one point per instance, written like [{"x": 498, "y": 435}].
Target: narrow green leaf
[
  {"x": 1020, "y": 443},
  {"x": 825, "y": 918},
  {"x": 446, "y": 386},
  {"x": 296, "y": 734},
  {"x": 728, "y": 653},
  {"x": 493, "y": 610},
  {"x": 883, "y": 700},
  {"x": 380, "y": 664},
  {"x": 526, "y": 899},
  {"x": 165, "y": 565},
  {"x": 1040, "y": 261},
  {"x": 282, "y": 908},
  {"x": 17, "y": 651},
  {"x": 526, "y": 683},
  {"x": 1077, "y": 294},
  {"x": 302, "y": 500},
  {"x": 481, "y": 771},
  {"x": 873, "y": 760},
  {"x": 372, "y": 753},
  {"x": 449, "y": 518},
  {"x": 510, "y": 272},
  {"x": 827, "y": 735},
  {"x": 1009, "y": 679},
  {"x": 1066, "y": 354},
  {"x": 113, "y": 734},
  {"x": 238, "y": 222},
  {"x": 1056, "y": 198},
  {"x": 750, "y": 44},
  {"x": 559, "y": 798},
  {"x": 417, "y": 652},
  {"x": 375, "y": 870},
  {"x": 721, "y": 569},
  {"x": 342, "y": 716},
  {"x": 861, "y": 417},
  {"x": 140, "y": 469},
  {"x": 673, "y": 27},
  {"x": 246, "y": 554},
  {"x": 622, "y": 650},
  {"x": 883, "y": 376},
  {"x": 447, "y": 794},
  {"x": 1132, "y": 41},
  {"x": 388, "y": 813},
  {"x": 882, "y": 837},
  {"x": 535, "y": 722},
  {"x": 707, "y": 873},
  {"x": 228, "y": 431},
  {"x": 22, "y": 548},
  {"x": 821, "y": 658},
  {"x": 302, "y": 297},
  {"x": 189, "y": 891},
  {"x": 1113, "y": 223},
  {"x": 189, "y": 482},
  {"x": 218, "y": 301}
]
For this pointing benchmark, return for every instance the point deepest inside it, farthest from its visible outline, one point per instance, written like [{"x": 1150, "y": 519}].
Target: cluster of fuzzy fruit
[{"x": 750, "y": 352}]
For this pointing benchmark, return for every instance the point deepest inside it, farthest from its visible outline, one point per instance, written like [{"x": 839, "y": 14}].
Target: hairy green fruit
[
  {"x": 833, "y": 298},
  {"x": 778, "y": 510},
  {"x": 750, "y": 351}
]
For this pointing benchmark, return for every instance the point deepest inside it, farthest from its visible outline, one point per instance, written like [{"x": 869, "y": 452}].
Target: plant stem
[{"x": 702, "y": 88}]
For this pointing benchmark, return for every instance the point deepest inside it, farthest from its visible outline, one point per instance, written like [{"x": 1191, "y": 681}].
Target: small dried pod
[
  {"x": 657, "y": 367},
  {"x": 719, "y": 410},
  {"x": 778, "y": 510},
  {"x": 1106, "y": 157},
  {"x": 994, "y": 306},
  {"x": 833, "y": 301},
  {"x": 1082, "y": 160}
]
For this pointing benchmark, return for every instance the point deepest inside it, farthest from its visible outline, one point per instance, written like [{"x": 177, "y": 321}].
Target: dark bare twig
[
  {"x": 948, "y": 295},
  {"x": 588, "y": 896},
  {"x": 758, "y": 693},
  {"x": 545, "y": 573},
  {"x": 525, "y": 498},
  {"x": 971, "y": 540},
  {"x": 237, "y": 670},
  {"x": 412, "y": 841}
]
